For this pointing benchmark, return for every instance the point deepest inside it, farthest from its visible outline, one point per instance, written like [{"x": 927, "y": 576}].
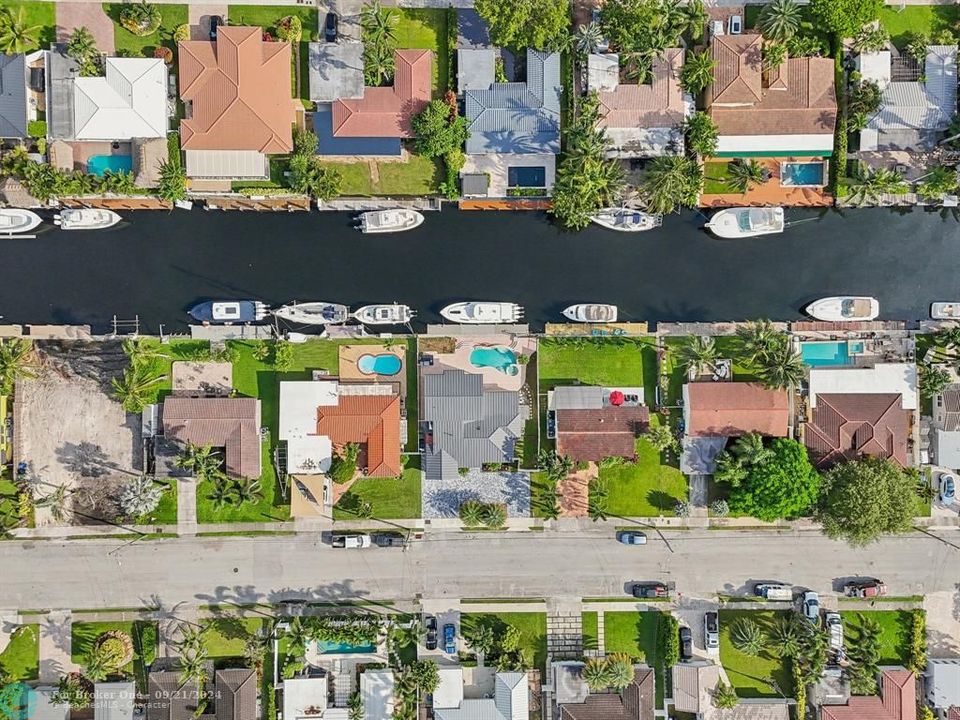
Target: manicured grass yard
[
  {"x": 747, "y": 673},
  {"x": 920, "y": 19},
  {"x": 594, "y": 361},
  {"x": 391, "y": 498},
  {"x": 173, "y": 16},
  {"x": 227, "y": 637},
  {"x": 532, "y": 627},
  {"x": 167, "y": 354},
  {"x": 714, "y": 176},
  {"x": 590, "y": 632},
  {"x": 8, "y": 497},
  {"x": 895, "y": 628},
  {"x": 635, "y": 633},
  {"x": 417, "y": 176},
  {"x": 643, "y": 488},
  {"x": 37, "y": 13},
  {"x": 20, "y": 661},
  {"x": 426, "y": 29},
  {"x": 166, "y": 512},
  {"x": 143, "y": 634}
]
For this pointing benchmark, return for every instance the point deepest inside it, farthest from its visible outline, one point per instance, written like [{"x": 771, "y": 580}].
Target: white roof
[
  {"x": 376, "y": 687},
  {"x": 914, "y": 105},
  {"x": 898, "y": 378},
  {"x": 130, "y": 101},
  {"x": 510, "y": 700},
  {"x": 875, "y": 67},
  {"x": 114, "y": 701},
  {"x": 449, "y": 693},
  {"x": 603, "y": 71},
  {"x": 943, "y": 689},
  {"x": 300, "y": 694},
  {"x": 227, "y": 164},
  {"x": 307, "y": 452},
  {"x": 43, "y": 709},
  {"x": 946, "y": 449},
  {"x": 774, "y": 144}
]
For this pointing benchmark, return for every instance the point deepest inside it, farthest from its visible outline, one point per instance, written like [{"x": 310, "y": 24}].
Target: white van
[{"x": 772, "y": 591}]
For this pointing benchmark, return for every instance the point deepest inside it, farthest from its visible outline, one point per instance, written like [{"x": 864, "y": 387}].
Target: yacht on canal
[
  {"x": 86, "y": 219},
  {"x": 228, "y": 312},
  {"x": 746, "y": 222},
  {"x": 483, "y": 313},
  {"x": 384, "y": 314},
  {"x": 389, "y": 221},
  {"x": 623, "y": 219},
  {"x": 844, "y": 308},
  {"x": 313, "y": 313},
  {"x": 591, "y": 313},
  {"x": 945, "y": 310},
  {"x": 16, "y": 220}
]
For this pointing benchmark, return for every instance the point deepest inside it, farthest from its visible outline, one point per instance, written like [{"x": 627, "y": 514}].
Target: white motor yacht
[
  {"x": 844, "y": 308},
  {"x": 945, "y": 310},
  {"x": 483, "y": 313},
  {"x": 626, "y": 219},
  {"x": 591, "y": 313},
  {"x": 16, "y": 220},
  {"x": 747, "y": 222},
  {"x": 313, "y": 313},
  {"x": 385, "y": 314},
  {"x": 389, "y": 221},
  {"x": 86, "y": 219}
]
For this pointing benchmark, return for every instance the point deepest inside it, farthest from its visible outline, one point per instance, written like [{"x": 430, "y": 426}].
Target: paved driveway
[
  {"x": 443, "y": 498},
  {"x": 89, "y": 15}
]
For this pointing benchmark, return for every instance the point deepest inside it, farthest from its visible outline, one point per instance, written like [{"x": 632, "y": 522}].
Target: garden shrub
[
  {"x": 141, "y": 19},
  {"x": 452, "y": 32},
  {"x": 115, "y": 647},
  {"x": 668, "y": 640},
  {"x": 37, "y": 128},
  {"x": 918, "y": 642}
]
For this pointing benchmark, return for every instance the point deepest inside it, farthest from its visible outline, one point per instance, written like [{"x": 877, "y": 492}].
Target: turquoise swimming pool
[
  {"x": 328, "y": 647},
  {"x": 824, "y": 354},
  {"x": 382, "y": 364},
  {"x": 802, "y": 174},
  {"x": 503, "y": 359},
  {"x": 99, "y": 164}
]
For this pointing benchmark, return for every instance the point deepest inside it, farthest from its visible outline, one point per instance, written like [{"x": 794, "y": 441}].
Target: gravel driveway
[{"x": 442, "y": 498}]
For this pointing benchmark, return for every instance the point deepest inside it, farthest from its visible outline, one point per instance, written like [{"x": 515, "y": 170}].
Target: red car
[{"x": 865, "y": 589}]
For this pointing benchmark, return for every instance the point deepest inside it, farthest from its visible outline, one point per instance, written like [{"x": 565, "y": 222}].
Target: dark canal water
[{"x": 156, "y": 265}]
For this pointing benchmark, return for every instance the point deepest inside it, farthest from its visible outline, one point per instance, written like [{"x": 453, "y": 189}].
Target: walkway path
[
  {"x": 186, "y": 506},
  {"x": 56, "y": 646},
  {"x": 564, "y": 629},
  {"x": 90, "y": 15},
  {"x": 574, "y": 491}
]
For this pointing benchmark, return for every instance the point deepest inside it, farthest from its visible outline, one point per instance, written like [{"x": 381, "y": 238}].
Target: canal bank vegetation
[{"x": 44, "y": 181}]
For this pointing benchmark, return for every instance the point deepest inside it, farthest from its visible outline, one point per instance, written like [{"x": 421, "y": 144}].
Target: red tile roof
[
  {"x": 240, "y": 90},
  {"x": 371, "y": 421},
  {"x": 387, "y": 111},
  {"x": 734, "y": 408},
  {"x": 845, "y": 426},
  {"x": 899, "y": 701},
  {"x": 230, "y": 423},
  {"x": 655, "y": 105},
  {"x": 584, "y": 435}
]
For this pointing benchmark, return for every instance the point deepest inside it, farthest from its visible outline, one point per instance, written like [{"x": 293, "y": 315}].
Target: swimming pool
[
  {"x": 329, "y": 647},
  {"x": 99, "y": 164},
  {"x": 503, "y": 359},
  {"x": 802, "y": 174},
  {"x": 527, "y": 176},
  {"x": 824, "y": 354},
  {"x": 382, "y": 364}
]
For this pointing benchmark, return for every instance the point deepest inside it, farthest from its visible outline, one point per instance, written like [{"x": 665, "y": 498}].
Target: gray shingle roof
[
  {"x": 61, "y": 72},
  {"x": 518, "y": 117},
  {"x": 922, "y": 106},
  {"x": 13, "y": 96},
  {"x": 471, "y": 425}
]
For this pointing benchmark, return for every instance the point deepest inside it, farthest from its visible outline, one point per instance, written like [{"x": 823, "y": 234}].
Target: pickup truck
[
  {"x": 865, "y": 589},
  {"x": 773, "y": 591},
  {"x": 351, "y": 541},
  {"x": 834, "y": 626}
]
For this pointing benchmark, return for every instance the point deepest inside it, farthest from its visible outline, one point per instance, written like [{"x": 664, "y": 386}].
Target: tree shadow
[{"x": 661, "y": 500}]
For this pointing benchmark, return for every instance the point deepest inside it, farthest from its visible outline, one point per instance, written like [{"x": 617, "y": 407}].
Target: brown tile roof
[
  {"x": 236, "y": 694},
  {"x": 951, "y": 408},
  {"x": 953, "y": 713},
  {"x": 845, "y": 426},
  {"x": 240, "y": 90},
  {"x": 387, "y": 111},
  {"x": 373, "y": 421},
  {"x": 659, "y": 104},
  {"x": 636, "y": 702},
  {"x": 230, "y": 423},
  {"x": 899, "y": 701},
  {"x": 734, "y": 408},
  {"x": 597, "y": 434},
  {"x": 799, "y": 99}
]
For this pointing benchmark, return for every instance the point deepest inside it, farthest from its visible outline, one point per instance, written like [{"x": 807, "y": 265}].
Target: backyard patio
[
  {"x": 716, "y": 193},
  {"x": 500, "y": 359}
]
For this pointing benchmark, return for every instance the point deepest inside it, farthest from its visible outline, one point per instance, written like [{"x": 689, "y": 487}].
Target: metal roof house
[
  {"x": 510, "y": 701},
  {"x": 13, "y": 96},
  {"x": 467, "y": 425}
]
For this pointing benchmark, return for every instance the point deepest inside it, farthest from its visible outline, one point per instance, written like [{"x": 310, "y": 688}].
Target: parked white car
[{"x": 811, "y": 606}]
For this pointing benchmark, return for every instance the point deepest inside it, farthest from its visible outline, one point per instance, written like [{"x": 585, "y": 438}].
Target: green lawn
[
  {"x": 392, "y": 499},
  {"x": 539, "y": 484},
  {"x": 173, "y": 16},
  {"x": 895, "y": 636},
  {"x": 590, "y": 632},
  {"x": 143, "y": 634},
  {"x": 417, "y": 176},
  {"x": 227, "y": 637},
  {"x": 714, "y": 177},
  {"x": 267, "y": 17},
  {"x": 8, "y": 497},
  {"x": 20, "y": 661},
  {"x": 426, "y": 29},
  {"x": 166, "y": 511},
  {"x": 635, "y": 633},
  {"x": 920, "y": 19},
  {"x": 595, "y": 361},
  {"x": 42, "y": 15},
  {"x": 532, "y": 627},
  {"x": 748, "y": 673},
  {"x": 167, "y": 354},
  {"x": 645, "y": 488}
]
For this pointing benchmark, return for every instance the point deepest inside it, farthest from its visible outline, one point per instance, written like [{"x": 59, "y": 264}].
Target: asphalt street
[{"x": 86, "y": 574}]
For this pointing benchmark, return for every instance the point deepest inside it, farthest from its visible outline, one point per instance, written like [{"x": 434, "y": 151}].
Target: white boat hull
[
  {"x": 626, "y": 220},
  {"x": 591, "y": 313},
  {"x": 945, "y": 310},
  {"x": 14, "y": 221},
  {"x": 844, "y": 308},
  {"x": 745, "y": 222},
  {"x": 86, "y": 219},
  {"x": 389, "y": 221},
  {"x": 313, "y": 313},
  {"x": 482, "y": 313},
  {"x": 384, "y": 314}
]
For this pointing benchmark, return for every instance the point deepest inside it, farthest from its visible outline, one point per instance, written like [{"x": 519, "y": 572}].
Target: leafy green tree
[
  {"x": 662, "y": 438},
  {"x": 645, "y": 28},
  {"x": 355, "y": 706},
  {"x": 596, "y": 673},
  {"x": 134, "y": 388},
  {"x": 866, "y": 498},
  {"x": 696, "y": 20},
  {"x": 805, "y": 46},
  {"x": 934, "y": 379},
  {"x": 701, "y": 134},
  {"x": 783, "y": 486},
  {"x": 773, "y": 55},
  {"x": 724, "y": 696},
  {"x": 173, "y": 182},
  {"x": 17, "y": 362},
  {"x": 140, "y": 496},
  {"x": 481, "y": 638},
  {"x": 747, "y": 637},
  {"x": 538, "y": 24},
  {"x": 698, "y": 354},
  {"x": 282, "y": 355},
  {"x": 863, "y": 99},
  {"x": 781, "y": 368},
  {"x": 598, "y": 501},
  {"x": 757, "y": 339},
  {"x": 16, "y": 36},
  {"x": 938, "y": 182},
  {"x": 81, "y": 45},
  {"x": 309, "y": 176},
  {"x": 672, "y": 182},
  {"x": 471, "y": 513},
  {"x": 744, "y": 173},
  {"x": 344, "y": 464},
  {"x": 871, "y": 38},
  {"x": 73, "y": 690},
  {"x": 750, "y": 449},
  {"x": 439, "y": 129},
  {"x": 620, "y": 666},
  {"x": 697, "y": 72},
  {"x": 203, "y": 461},
  {"x": 426, "y": 675},
  {"x": 668, "y": 640},
  {"x": 248, "y": 490},
  {"x": 556, "y": 466},
  {"x": 97, "y": 667},
  {"x": 780, "y": 19},
  {"x": 844, "y": 17},
  {"x": 864, "y": 656},
  {"x": 730, "y": 469}
]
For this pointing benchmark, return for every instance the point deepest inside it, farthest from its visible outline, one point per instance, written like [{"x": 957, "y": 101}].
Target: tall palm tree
[
  {"x": 192, "y": 638},
  {"x": 873, "y": 185},
  {"x": 743, "y": 173},
  {"x": 780, "y": 19},
  {"x": 697, "y": 72},
  {"x": 598, "y": 502},
  {"x": 781, "y": 368},
  {"x": 696, "y": 19},
  {"x": 17, "y": 362},
  {"x": 16, "y": 36},
  {"x": 549, "y": 503},
  {"x": 133, "y": 390},
  {"x": 81, "y": 45},
  {"x": 248, "y": 491},
  {"x": 202, "y": 460},
  {"x": 672, "y": 181},
  {"x": 193, "y": 669},
  {"x": 699, "y": 354},
  {"x": 756, "y": 339},
  {"x": 378, "y": 23},
  {"x": 750, "y": 449},
  {"x": 141, "y": 350},
  {"x": 587, "y": 38},
  {"x": 298, "y": 635},
  {"x": 785, "y": 636}
]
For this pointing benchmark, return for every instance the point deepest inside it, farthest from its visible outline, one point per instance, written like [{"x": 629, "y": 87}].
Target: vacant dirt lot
[{"x": 73, "y": 433}]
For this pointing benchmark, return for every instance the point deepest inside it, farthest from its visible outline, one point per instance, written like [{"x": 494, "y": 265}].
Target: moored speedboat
[
  {"x": 385, "y": 314},
  {"x": 844, "y": 308},
  {"x": 591, "y": 313},
  {"x": 227, "y": 312},
  {"x": 17, "y": 220},
  {"x": 313, "y": 313},
  {"x": 86, "y": 219},
  {"x": 388, "y": 221},
  {"x": 626, "y": 219},
  {"x": 482, "y": 313},
  {"x": 945, "y": 310},
  {"x": 746, "y": 222}
]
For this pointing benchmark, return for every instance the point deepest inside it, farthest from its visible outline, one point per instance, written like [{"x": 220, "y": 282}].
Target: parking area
[
  {"x": 446, "y": 612},
  {"x": 691, "y": 611}
]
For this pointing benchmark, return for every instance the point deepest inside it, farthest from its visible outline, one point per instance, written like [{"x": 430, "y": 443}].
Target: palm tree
[
  {"x": 223, "y": 494},
  {"x": 140, "y": 350},
  {"x": 596, "y": 673},
  {"x": 744, "y": 173},
  {"x": 699, "y": 354},
  {"x": 192, "y": 638},
  {"x": 724, "y": 696},
  {"x": 750, "y": 449},
  {"x": 697, "y": 72},
  {"x": 587, "y": 38},
  {"x": 481, "y": 639},
  {"x": 193, "y": 669},
  {"x": 97, "y": 667},
  {"x": 202, "y": 460},
  {"x": 785, "y": 636},
  {"x": 773, "y": 55},
  {"x": 780, "y": 19},
  {"x": 696, "y": 19},
  {"x": 747, "y": 637},
  {"x": 298, "y": 635},
  {"x": 494, "y": 515},
  {"x": 598, "y": 502},
  {"x": 781, "y": 368},
  {"x": 81, "y": 45},
  {"x": 661, "y": 437},
  {"x": 620, "y": 667},
  {"x": 672, "y": 181},
  {"x": 556, "y": 466},
  {"x": 730, "y": 469},
  {"x": 140, "y": 496},
  {"x": 15, "y": 35},
  {"x": 873, "y": 185},
  {"x": 248, "y": 491},
  {"x": 133, "y": 390},
  {"x": 549, "y": 503},
  {"x": 378, "y": 23},
  {"x": 871, "y": 39},
  {"x": 756, "y": 339},
  {"x": 17, "y": 362},
  {"x": 471, "y": 513},
  {"x": 57, "y": 502}
]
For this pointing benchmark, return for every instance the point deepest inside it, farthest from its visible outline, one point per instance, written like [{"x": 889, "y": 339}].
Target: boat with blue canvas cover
[
  {"x": 313, "y": 313},
  {"x": 227, "y": 312}
]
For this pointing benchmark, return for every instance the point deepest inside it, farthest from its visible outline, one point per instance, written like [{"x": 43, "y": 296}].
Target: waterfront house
[
  {"x": 642, "y": 120},
  {"x": 13, "y": 97},
  {"x": 510, "y": 699},
  {"x": 593, "y": 423},
  {"x": 732, "y": 409},
  {"x": 897, "y": 700},
  {"x": 326, "y": 696},
  {"x": 575, "y": 701},
  {"x": 790, "y": 111},
  {"x": 229, "y": 423},
  {"x": 942, "y": 680},
  {"x": 239, "y": 109},
  {"x": 232, "y": 695}
]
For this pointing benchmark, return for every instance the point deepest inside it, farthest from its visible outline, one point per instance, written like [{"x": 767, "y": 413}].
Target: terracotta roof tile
[
  {"x": 636, "y": 702},
  {"x": 659, "y": 104},
  {"x": 734, "y": 408},
  {"x": 845, "y": 426},
  {"x": 596, "y": 434},
  {"x": 240, "y": 90},
  {"x": 230, "y": 423},
  {"x": 899, "y": 701},
  {"x": 372, "y": 421}
]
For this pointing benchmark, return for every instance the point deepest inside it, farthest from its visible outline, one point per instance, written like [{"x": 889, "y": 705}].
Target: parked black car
[
  {"x": 430, "y": 623},
  {"x": 649, "y": 590},
  {"x": 330, "y": 27},
  {"x": 686, "y": 643},
  {"x": 215, "y": 22}
]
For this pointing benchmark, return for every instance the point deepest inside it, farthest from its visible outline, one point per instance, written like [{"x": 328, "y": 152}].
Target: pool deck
[
  {"x": 771, "y": 192},
  {"x": 349, "y": 372},
  {"x": 459, "y": 359}
]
